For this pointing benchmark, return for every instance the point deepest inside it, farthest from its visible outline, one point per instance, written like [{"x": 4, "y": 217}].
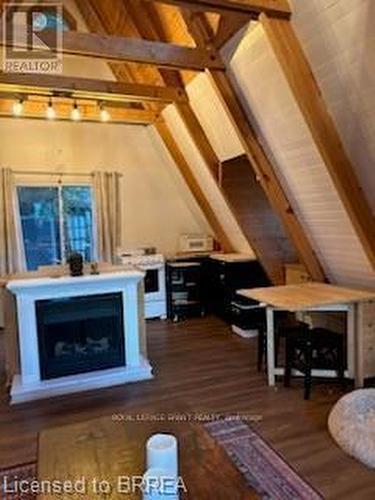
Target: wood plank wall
[{"x": 256, "y": 216}]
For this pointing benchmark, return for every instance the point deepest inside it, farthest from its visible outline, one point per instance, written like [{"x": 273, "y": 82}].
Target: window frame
[{"x": 59, "y": 184}]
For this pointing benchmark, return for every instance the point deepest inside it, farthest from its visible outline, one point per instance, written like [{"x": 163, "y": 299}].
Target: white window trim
[{"x": 35, "y": 181}]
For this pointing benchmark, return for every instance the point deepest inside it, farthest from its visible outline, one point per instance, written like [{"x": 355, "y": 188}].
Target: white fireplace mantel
[{"x": 28, "y": 385}]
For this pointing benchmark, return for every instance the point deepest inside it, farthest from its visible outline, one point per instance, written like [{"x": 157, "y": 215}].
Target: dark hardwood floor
[{"x": 199, "y": 364}]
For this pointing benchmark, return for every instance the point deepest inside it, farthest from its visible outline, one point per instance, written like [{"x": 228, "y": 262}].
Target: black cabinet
[
  {"x": 184, "y": 289},
  {"x": 223, "y": 278}
]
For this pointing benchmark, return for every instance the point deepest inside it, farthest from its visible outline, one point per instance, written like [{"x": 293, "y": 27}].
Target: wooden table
[
  {"x": 318, "y": 297},
  {"x": 105, "y": 449}
]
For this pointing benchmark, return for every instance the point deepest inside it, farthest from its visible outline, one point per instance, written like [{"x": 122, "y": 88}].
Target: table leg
[
  {"x": 351, "y": 341},
  {"x": 359, "y": 377},
  {"x": 270, "y": 346}
]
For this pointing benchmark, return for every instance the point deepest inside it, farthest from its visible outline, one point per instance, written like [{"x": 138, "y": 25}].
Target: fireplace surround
[{"x": 80, "y": 333}]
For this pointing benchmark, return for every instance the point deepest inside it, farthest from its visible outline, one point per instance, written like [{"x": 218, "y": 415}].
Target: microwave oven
[{"x": 196, "y": 243}]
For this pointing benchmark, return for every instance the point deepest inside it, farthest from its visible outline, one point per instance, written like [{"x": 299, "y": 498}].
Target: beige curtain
[
  {"x": 12, "y": 255},
  {"x": 108, "y": 214}
]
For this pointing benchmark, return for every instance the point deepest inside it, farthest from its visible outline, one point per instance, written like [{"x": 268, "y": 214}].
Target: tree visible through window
[{"x": 56, "y": 221}]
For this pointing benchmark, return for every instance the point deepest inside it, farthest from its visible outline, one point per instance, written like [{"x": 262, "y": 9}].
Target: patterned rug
[
  {"x": 263, "y": 467},
  {"x": 9, "y": 478}
]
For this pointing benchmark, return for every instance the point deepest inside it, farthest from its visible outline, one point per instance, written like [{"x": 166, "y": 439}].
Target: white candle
[
  {"x": 162, "y": 453},
  {"x": 159, "y": 484}
]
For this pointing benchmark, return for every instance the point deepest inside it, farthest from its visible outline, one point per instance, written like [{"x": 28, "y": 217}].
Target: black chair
[
  {"x": 283, "y": 321},
  {"x": 313, "y": 348}
]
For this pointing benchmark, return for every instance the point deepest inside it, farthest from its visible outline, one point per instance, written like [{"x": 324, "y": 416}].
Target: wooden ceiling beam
[
  {"x": 143, "y": 26},
  {"x": 96, "y": 89},
  {"x": 297, "y": 70},
  {"x": 198, "y": 27},
  {"x": 279, "y": 8},
  {"x": 122, "y": 72},
  {"x": 228, "y": 25},
  {"x": 169, "y": 78},
  {"x": 121, "y": 49},
  {"x": 146, "y": 28}
]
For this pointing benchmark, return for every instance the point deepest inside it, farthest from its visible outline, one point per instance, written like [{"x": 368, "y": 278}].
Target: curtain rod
[{"x": 43, "y": 172}]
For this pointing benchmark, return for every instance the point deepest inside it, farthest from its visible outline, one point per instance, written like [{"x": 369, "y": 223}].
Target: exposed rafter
[
  {"x": 229, "y": 24},
  {"x": 279, "y": 8},
  {"x": 122, "y": 72},
  {"x": 141, "y": 25},
  {"x": 296, "y": 68},
  {"x": 199, "y": 29},
  {"x": 84, "y": 87},
  {"x": 169, "y": 78},
  {"x": 120, "y": 49},
  {"x": 146, "y": 28}
]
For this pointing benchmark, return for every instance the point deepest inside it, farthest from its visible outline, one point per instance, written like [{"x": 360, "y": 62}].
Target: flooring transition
[{"x": 202, "y": 366}]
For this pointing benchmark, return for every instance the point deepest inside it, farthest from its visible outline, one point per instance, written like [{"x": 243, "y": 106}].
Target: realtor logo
[{"x": 32, "y": 37}]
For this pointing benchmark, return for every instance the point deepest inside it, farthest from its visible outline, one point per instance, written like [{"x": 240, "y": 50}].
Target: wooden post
[{"x": 302, "y": 83}]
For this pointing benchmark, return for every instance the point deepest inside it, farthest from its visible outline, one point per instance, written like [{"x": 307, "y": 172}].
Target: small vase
[{"x": 75, "y": 262}]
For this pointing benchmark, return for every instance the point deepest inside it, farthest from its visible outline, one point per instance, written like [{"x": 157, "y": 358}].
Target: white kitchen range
[{"x": 153, "y": 264}]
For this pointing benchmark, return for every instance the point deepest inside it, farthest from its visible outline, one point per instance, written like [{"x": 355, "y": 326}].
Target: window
[{"x": 56, "y": 221}]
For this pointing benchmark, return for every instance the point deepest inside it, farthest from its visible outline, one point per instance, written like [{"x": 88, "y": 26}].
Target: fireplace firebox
[{"x": 80, "y": 334}]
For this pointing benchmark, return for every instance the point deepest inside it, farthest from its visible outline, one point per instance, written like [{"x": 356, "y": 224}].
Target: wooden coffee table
[{"x": 106, "y": 448}]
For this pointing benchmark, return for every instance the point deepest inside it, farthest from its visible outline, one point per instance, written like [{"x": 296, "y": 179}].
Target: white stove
[{"x": 155, "y": 294}]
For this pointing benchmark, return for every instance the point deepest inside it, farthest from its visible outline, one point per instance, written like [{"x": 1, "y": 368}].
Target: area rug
[
  {"x": 264, "y": 469},
  {"x": 10, "y": 478}
]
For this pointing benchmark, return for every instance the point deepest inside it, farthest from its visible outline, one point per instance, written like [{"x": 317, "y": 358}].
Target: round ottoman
[{"x": 352, "y": 425}]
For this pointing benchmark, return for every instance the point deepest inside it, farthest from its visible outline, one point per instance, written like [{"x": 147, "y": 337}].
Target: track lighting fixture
[
  {"x": 50, "y": 112},
  {"x": 75, "y": 115},
  {"x": 18, "y": 108},
  {"x": 104, "y": 114}
]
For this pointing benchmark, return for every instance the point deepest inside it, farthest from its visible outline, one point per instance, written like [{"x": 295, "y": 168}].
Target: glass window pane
[
  {"x": 78, "y": 225},
  {"x": 40, "y": 225}
]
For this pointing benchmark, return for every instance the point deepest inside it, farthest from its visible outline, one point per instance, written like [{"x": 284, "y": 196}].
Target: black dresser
[{"x": 224, "y": 275}]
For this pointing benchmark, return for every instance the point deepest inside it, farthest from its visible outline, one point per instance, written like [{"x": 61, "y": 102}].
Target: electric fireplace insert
[{"x": 80, "y": 334}]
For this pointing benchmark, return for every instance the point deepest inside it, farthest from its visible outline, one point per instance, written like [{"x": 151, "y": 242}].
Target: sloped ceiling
[
  {"x": 339, "y": 48},
  {"x": 338, "y": 39},
  {"x": 299, "y": 165},
  {"x": 339, "y": 44}
]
